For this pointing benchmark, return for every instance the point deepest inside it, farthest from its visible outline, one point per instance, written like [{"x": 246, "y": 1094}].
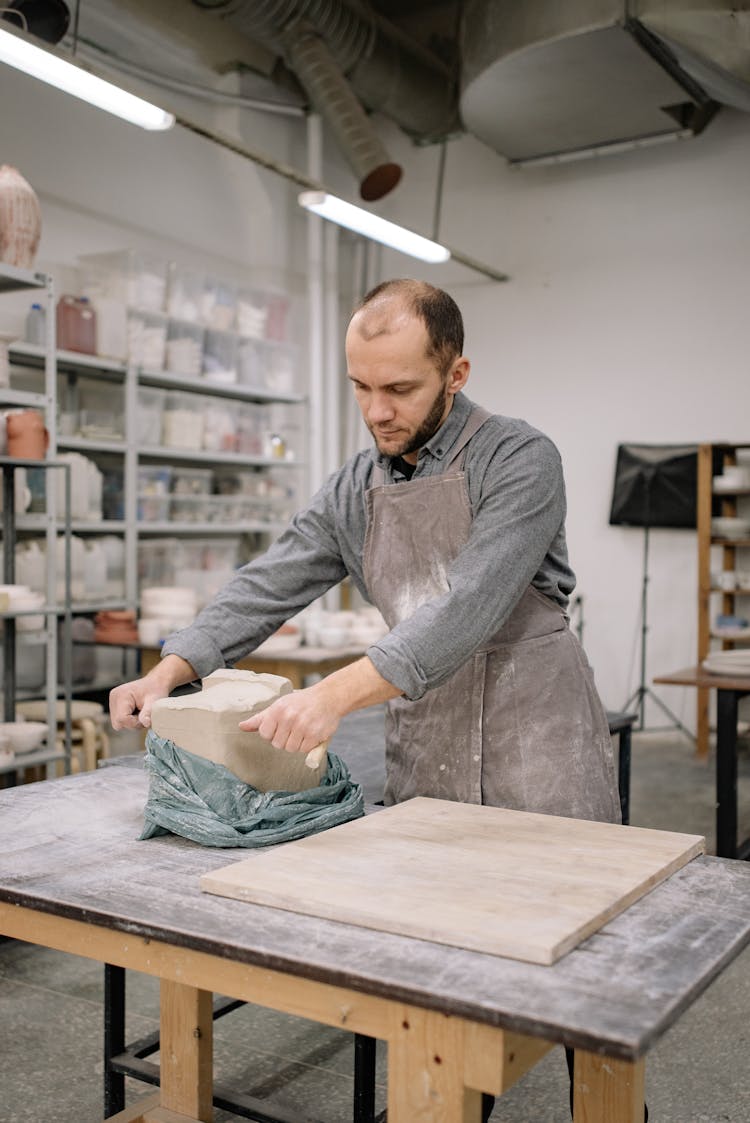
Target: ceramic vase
[{"x": 20, "y": 219}]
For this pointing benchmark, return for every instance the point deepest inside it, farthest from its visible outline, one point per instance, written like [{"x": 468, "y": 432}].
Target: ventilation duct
[
  {"x": 344, "y": 56},
  {"x": 542, "y": 79}
]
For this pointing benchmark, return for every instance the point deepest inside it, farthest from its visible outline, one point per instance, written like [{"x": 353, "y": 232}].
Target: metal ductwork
[
  {"x": 345, "y": 57},
  {"x": 542, "y": 79}
]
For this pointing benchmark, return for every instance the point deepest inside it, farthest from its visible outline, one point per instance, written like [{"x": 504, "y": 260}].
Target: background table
[
  {"x": 73, "y": 876},
  {"x": 729, "y": 689},
  {"x": 295, "y": 664}
]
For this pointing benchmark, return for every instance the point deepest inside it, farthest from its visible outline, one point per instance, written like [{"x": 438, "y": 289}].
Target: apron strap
[{"x": 474, "y": 423}]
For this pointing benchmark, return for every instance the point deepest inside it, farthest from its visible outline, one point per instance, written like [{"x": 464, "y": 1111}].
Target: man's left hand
[{"x": 296, "y": 722}]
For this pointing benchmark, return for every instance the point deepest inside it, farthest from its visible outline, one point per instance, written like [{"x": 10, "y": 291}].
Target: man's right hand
[{"x": 130, "y": 704}]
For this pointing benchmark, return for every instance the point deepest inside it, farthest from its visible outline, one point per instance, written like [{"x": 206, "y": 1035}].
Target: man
[{"x": 454, "y": 528}]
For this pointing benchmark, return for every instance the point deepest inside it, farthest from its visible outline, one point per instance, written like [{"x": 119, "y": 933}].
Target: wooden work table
[
  {"x": 729, "y": 689},
  {"x": 74, "y": 877},
  {"x": 295, "y": 664}
]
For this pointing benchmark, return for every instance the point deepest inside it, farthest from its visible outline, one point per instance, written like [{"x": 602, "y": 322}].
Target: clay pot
[
  {"x": 20, "y": 219},
  {"x": 27, "y": 437}
]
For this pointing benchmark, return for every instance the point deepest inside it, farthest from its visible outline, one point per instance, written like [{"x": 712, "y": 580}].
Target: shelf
[
  {"x": 734, "y": 637},
  {"x": 200, "y": 456},
  {"x": 235, "y": 390},
  {"x": 24, "y": 398},
  {"x": 13, "y": 279},
  {"x": 34, "y": 355},
  {"x": 168, "y": 528},
  {"x": 89, "y": 444},
  {"x": 30, "y": 760},
  {"x": 729, "y": 541},
  {"x": 37, "y": 524}
]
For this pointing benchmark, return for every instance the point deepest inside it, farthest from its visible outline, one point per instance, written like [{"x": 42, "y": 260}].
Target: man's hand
[
  {"x": 295, "y": 722},
  {"x": 130, "y": 704},
  {"x": 299, "y": 721}
]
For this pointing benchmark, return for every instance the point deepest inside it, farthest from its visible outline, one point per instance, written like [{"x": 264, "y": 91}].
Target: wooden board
[{"x": 508, "y": 883}]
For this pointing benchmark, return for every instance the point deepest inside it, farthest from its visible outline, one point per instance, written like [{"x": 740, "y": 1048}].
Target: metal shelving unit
[
  {"x": 16, "y": 280},
  {"x": 73, "y": 365}
]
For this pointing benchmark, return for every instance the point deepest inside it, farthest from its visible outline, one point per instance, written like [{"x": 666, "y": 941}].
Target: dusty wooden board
[{"x": 508, "y": 883}]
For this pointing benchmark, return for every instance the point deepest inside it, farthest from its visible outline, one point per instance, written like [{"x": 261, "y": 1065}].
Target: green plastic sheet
[{"x": 205, "y": 802}]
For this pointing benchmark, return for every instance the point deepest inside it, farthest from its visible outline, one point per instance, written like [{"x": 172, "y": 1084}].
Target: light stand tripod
[
  {"x": 654, "y": 486},
  {"x": 643, "y": 691}
]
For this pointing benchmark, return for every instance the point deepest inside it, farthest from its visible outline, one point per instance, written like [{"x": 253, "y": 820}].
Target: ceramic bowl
[
  {"x": 333, "y": 635},
  {"x": 730, "y": 527},
  {"x": 23, "y": 736}
]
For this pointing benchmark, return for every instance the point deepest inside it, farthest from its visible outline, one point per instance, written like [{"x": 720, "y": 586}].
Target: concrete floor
[{"x": 51, "y": 1004}]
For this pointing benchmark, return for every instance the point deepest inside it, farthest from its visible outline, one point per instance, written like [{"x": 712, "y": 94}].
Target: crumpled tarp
[{"x": 205, "y": 802}]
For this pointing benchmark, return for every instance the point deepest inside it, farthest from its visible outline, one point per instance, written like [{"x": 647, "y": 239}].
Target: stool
[
  {"x": 89, "y": 740},
  {"x": 622, "y": 723}
]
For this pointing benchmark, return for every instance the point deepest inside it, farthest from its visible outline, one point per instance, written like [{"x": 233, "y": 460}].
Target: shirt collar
[{"x": 443, "y": 441}]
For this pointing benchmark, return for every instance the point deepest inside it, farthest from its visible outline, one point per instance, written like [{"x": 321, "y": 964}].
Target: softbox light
[{"x": 655, "y": 486}]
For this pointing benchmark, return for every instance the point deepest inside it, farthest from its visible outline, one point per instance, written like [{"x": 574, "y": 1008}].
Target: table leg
[
  {"x": 114, "y": 1037},
  {"x": 607, "y": 1090},
  {"x": 623, "y": 769},
  {"x": 186, "y": 1051},
  {"x": 426, "y": 1070},
  {"x": 726, "y": 773}
]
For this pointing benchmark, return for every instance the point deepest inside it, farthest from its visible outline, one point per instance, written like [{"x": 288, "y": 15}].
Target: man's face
[{"x": 403, "y": 396}]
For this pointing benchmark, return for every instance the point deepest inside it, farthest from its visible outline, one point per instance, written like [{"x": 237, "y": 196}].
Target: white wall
[{"x": 624, "y": 320}]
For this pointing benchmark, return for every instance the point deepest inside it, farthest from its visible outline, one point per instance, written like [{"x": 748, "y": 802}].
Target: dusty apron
[{"x": 519, "y": 725}]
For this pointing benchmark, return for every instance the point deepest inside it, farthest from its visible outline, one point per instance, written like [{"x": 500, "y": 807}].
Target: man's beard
[{"x": 426, "y": 430}]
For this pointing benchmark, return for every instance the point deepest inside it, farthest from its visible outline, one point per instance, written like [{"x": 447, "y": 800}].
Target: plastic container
[
  {"x": 184, "y": 353},
  {"x": 136, "y": 279},
  {"x": 220, "y": 426},
  {"x": 36, "y": 325},
  {"x": 158, "y": 560},
  {"x": 249, "y": 430},
  {"x": 192, "y": 481},
  {"x": 153, "y": 492},
  {"x": 219, "y": 305},
  {"x": 278, "y": 367},
  {"x": 252, "y": 314},
  {"x": 185, "y": 292},
  {"x": 151, "y": 403},
  {"x": 183, "y": 421},
  {"x": 220, "y": 357},
  {"x": 147, "y": 340},
  {"x": 76, "y": 325}
]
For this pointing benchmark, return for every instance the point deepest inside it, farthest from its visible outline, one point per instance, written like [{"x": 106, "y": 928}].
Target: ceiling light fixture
[
  {"x": 371, "y": 226},
  {"x": 18, "y": 52}
]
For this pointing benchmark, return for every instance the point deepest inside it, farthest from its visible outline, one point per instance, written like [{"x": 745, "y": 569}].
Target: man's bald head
[{"x": 387, "y": 308}]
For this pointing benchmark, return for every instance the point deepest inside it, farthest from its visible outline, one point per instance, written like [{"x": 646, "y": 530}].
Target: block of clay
[{"x": 206, "y": 723}]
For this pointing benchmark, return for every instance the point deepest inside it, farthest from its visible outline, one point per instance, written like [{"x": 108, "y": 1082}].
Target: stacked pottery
[{"x": 20, "y": 219}]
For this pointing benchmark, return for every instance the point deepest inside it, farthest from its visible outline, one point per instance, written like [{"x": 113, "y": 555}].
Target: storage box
[
  {"x": 153, "y": 492},
  {"x": 184, "y": 353},
  {"x": 220, "y": 357},
  {"x": 185, "y": 292},
  {"x": 150, "y": 414},
  {"x": 219, "y": 305},
  {"x": 191, "y": 481},
  {"x": 136, "y": 279},
  {"x": 182, "y": 425},
  {"x": 147, "y": 340}
]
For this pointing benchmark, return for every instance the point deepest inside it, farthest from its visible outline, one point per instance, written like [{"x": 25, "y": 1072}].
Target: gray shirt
[{"x": 517, "y": 495}]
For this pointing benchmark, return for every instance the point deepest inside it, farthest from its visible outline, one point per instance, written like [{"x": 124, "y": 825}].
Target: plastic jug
[
  {"x": 76, "y": 325},
  {"x": 36, "y": 325}
]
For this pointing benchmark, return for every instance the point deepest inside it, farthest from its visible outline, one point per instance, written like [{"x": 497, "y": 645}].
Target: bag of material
[{"x": 205, "y": 802}]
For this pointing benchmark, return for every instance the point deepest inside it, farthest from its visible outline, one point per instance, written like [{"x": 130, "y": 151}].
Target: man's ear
[{"x": 458, "y": 375}]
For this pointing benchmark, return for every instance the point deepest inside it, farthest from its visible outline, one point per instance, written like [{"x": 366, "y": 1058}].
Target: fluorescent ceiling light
[
  {"x": 18, "y": 52},
  {"x": 368, "y": 224}
]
